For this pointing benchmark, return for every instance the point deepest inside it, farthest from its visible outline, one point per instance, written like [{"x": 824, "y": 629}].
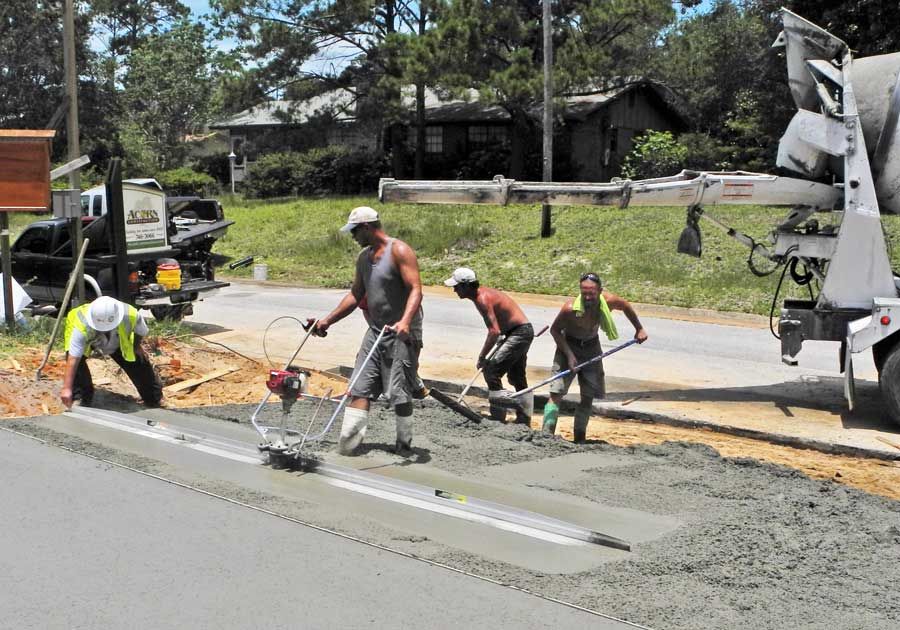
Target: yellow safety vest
[
  {"x": 606, "y": 321},
  {"x": 77, "y": 319}
]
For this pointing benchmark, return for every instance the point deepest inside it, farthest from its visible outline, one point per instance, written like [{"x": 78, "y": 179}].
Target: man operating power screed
[
  {"x": 112, "y": 328},
  {"x": 502, "y": 316},
  {"x": 575, "y": 331},
  {"x": 387, "y": 276}
]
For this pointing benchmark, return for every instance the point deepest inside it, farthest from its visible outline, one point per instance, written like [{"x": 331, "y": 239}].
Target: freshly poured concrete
[
  {"x": 718, "y": 543},
  {"x": 313, "y": 497},
  {"x": 87, "y": 545}
]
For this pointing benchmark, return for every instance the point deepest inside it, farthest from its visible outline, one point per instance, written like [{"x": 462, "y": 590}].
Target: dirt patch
[{"x": 176, "y": 361}]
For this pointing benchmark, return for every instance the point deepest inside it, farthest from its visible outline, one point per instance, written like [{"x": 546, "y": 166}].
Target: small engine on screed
[{"x": 288, "y": 384}]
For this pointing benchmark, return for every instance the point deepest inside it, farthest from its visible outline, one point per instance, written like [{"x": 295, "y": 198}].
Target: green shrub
[
  {"x": 274, "y": 175},
  {"x": 184, "y": 181},
  {"x": 326, "y": 170},
  {"x": 654, "y": 154}
]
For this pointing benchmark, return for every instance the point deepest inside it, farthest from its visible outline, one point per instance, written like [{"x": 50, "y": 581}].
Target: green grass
[
  {"x": 633, "y": 250},
  {"x": 36, "y": 334}
]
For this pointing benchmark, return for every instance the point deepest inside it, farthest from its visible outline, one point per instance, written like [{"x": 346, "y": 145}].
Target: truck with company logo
[{"x": 168, "y": 242}]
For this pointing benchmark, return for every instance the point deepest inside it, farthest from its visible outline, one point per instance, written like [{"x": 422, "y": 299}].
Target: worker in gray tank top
[{"x": 388, "y": 289}]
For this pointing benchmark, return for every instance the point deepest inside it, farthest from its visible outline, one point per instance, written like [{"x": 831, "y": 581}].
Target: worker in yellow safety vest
[
  {"x": 576, "y": 332},
  {"x": 109, "y": 327}
]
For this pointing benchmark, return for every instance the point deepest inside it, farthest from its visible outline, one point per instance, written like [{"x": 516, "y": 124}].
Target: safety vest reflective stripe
[{"x": 77, "y": 319}]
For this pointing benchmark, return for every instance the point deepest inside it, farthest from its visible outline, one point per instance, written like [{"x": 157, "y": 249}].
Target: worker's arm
[
  {"x": 486, "y": 308},
  {"x": 615, "y": 302},
  {"x": 65, "y": 394},
  {"x": 408, "y": 265},
  {"x": 346, "y": 306},
  {"x": 558, "y": 331}
]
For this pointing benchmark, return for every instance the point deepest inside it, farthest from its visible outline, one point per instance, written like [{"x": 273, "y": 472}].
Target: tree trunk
[
  {"x": 420, "y": 131},
  {"x": 522, "y": 133},
  {"x": 419, "y": 169}
]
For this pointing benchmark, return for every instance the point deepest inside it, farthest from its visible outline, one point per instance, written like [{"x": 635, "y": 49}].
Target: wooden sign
[{"x": 25, "y": 170}]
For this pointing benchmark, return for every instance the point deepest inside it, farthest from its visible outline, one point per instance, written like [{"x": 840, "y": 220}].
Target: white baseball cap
[
  {"x": 105, "y": 313},
  {"x": 362, "y": 214},
  {"x": 462, "y": 275}
]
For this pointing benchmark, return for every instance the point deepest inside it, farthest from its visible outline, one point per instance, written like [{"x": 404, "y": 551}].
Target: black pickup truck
[{"x": 42, "y": 260}]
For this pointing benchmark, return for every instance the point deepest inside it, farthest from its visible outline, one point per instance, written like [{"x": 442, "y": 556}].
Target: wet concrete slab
[
  {"x": 317, "y": 499},
  {"x": 90, "y": 545}
]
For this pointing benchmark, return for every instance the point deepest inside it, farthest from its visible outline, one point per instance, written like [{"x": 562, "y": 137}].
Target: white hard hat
[
  {"x": 105, "y": 313},
  {"x": 362, "y": 214},
  {"x": 463, "y": 275}
]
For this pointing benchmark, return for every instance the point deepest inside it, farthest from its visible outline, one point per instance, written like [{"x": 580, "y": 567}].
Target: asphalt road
[{"x": 678, "y": 353}]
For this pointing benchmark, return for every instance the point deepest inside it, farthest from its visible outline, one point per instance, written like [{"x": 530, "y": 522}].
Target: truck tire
[
  {"x": 882, "y": 349},
  {"x": 889, "y": 382},
  {"x": 171, "y": 313}
]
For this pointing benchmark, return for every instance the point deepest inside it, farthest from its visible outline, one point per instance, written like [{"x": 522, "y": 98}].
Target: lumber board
[{"x": 193, "y": 382}]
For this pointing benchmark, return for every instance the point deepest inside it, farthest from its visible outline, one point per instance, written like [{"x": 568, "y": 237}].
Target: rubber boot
[
  {"x": 404, "y": 433},
  {"x": 353, "y": 430},
  {"x": 525, "y": 408},
  {"x": 582, "y": 415},
  {"x": 498, "y": 399},
  {"x": 551, "y": 414}
]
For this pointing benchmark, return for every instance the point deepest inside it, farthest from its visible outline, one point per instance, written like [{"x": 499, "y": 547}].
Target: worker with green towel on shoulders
[{"x": 575, "y": 331}]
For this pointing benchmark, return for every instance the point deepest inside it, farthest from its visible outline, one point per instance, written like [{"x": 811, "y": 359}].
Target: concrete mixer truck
[{"x": 846, "y": 126}]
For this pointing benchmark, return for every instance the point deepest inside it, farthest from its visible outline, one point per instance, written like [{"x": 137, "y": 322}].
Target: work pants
[{"x": 140, "y": 372}]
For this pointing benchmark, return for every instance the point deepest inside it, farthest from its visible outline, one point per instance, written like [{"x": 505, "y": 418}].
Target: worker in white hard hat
[
  {"x": 387, "y": 278},
  {"x": 109, "y": 327}
]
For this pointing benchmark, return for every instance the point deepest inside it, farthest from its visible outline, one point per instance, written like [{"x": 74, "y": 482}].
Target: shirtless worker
[
  {"x": 387, "y": 277},
  {"x": 502, "y": 316},
  {"x": 575, "y": 331}
]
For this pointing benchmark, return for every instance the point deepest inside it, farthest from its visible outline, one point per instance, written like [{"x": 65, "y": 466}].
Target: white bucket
[{"x": 261, "y": 272}]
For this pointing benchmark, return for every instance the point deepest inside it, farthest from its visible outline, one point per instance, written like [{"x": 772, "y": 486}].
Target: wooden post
[
  {"x": 6, "y": 264},
  {"x": 115, "y": 215}
]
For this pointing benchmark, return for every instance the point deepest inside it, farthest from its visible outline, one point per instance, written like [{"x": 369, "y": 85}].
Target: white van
[{"x": 93, "y": 200}]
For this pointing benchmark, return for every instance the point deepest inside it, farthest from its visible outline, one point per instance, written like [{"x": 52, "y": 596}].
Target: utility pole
[
  {"x": 70, "y": 64},
  {"x": 546, "y": 228}
]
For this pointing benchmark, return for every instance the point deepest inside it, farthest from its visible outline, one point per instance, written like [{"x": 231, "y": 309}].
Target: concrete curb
[{"x": 610, "y": 412}]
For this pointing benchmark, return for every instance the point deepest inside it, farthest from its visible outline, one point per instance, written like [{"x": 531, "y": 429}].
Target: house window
[
  {"x": 434, "y": 139},
  {"x": 482, "y": 135}
]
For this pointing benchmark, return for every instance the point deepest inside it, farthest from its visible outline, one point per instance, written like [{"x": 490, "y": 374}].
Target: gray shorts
[
  {"x": 591, "y": 378},
  {"x": 392, "y": 370}
]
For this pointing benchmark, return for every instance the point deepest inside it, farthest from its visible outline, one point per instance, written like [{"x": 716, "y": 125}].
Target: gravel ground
[{"x": 762, "y": 546}]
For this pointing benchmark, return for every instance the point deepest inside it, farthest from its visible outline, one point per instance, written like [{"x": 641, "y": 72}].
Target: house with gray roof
[{"x": 464, "y": 137}]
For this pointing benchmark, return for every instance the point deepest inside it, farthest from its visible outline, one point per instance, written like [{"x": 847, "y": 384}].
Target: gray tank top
[{"x": 386, "y": 293}]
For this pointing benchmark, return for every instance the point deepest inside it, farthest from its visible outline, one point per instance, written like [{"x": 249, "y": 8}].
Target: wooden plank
[
  {"x": 27, "y": 134},
  {"x": 888, "y": 442},
  {"x": 177, "y": 387}
]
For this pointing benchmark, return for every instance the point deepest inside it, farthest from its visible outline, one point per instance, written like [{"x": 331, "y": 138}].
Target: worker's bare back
[{"x": 507, "y": 313}]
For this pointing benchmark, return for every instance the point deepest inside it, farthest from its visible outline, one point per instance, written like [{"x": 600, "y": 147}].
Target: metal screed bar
[{"x": 415, "y": 495}]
